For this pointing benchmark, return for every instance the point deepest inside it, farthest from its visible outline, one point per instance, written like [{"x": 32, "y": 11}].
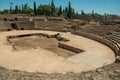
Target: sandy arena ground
[{"x": 40, "y": 60}]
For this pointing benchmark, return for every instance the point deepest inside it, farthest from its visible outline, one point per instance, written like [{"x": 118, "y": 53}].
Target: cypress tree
[
  {"x": 16, "y": 9},
  {"x": 35, "y": 9},
  {"x": 53, "y": 7},
  {"x": 11, "y": 3},
  {"x": 73, "y": 11},
  {"x": 63, "y": 11},
  {"x": 60, "y": 10},
  {"x": 19, "y": 9},
  {"x": 69, "y": 14},
  {"x": 22, "y": 9},
  {"x": 66, "y": 9},
  {"x": 82, "y": 12},
  {"x": 92, "y": 13}
]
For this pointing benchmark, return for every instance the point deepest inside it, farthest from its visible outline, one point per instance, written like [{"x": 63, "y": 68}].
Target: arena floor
[{"x": 95, "y": 55}]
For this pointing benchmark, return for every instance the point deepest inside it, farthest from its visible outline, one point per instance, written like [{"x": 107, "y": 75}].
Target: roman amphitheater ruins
[{"x": 52, "y": 51}]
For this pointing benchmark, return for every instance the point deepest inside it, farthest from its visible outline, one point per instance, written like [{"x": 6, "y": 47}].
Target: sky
[{"x": 99, "y": 6}]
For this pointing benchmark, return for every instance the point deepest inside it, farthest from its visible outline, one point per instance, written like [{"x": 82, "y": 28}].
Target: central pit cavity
[{"x": 54, "y": 44}]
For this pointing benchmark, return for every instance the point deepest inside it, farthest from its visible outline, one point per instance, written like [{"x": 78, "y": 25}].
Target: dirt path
[{"x": 40, "y": 60}]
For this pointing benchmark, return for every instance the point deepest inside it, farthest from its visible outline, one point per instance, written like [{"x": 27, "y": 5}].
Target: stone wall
[
  {"x": 14, "y": 19},
  {"x": 5, "y": 26},
  {"x": 101, "y": 40},
  {"x": 27, "y": 25},
  {"x": 21, "y": 19},
  {"x": 68, "y": 47},
  {"x": 18, "y": 25},
  {"x": 26, "y": 35},
  {"x": 55, "y": 19},
  {"x": 59, "y": 38}
]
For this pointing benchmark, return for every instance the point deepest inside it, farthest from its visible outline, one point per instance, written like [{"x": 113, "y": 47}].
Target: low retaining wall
[
  {"x": 25, "y": 35},
  {"x": 68, "y": 47},
  {"x": 101, "y": 40},
  {"x": 58, "y": 37}
]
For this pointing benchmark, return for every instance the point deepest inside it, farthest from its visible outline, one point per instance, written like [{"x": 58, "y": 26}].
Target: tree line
[{"x": 47, "y": 10}]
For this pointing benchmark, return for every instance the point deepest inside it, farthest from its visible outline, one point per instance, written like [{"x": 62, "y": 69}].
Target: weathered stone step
[{"x": 115, "y": 42}]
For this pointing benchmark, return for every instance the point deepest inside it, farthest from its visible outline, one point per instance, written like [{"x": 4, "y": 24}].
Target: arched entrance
[{"x": 14, "y": 26}]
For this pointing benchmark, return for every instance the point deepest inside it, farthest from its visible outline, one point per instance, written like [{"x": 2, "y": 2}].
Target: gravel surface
[{"x": 111, "y": 72}]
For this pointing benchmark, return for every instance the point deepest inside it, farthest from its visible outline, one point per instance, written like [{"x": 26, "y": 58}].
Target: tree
[
  {"x": 16, "y": 9},
  {"x": 93, "y": 13},
  {"x": 97, "y": 16},
  {"x": 66, "y": 9},
  {"x": 35, "y": 9},
  {"x": 82, "y": 12},
  {"x": 73, "y": 11},
  {"x": 69, "y": 11},
  {"x": 5, "y": 11},
  {"x": 44, "y": 10},
  {"x": 60, "y": 10},
  {"x": 26, "y": 8},
  {"x": 53, "y": 8},
  {"x": 63, "y": 10},
  {"x": 22, "y": 9},
  {"x": 19, "y": 9},
  {"x": 77, "y": 13},
  {"x": 11, "y": 3}
]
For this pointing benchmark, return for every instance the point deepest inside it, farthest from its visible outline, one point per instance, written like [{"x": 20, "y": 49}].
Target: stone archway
[{"x": 14, "y": 26}]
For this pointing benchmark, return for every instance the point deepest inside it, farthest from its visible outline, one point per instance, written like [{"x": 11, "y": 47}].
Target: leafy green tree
[
  {"x": 35, "y": 9},
  {"x": 0, "y": 12},
  {"x": 44, "y": 10},
  {"x": 97, "y": 16},
  {"x": 5, "y": 11},
  {"x": 64, "y": 15},
  {"x": 26, "y": 9}
]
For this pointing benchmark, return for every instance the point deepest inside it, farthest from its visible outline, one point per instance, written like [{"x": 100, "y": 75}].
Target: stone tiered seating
[{"x": 115, "y": 38}]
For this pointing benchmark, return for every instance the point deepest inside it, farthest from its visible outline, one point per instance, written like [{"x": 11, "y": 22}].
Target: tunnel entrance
[
  {"x": 5, "y": 19},
  {"x": 21, "y": 28},
  {"x": 16, "y": 19},
  {"x": 14, "y": 26}
]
